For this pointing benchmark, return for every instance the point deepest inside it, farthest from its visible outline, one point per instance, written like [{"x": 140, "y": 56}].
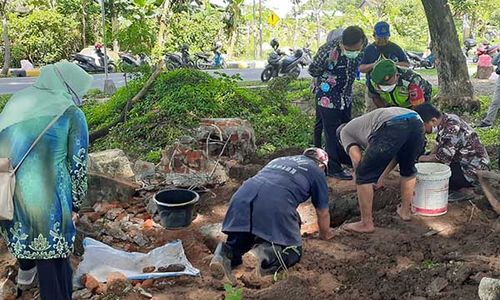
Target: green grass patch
[{"x": 3, "y": 100}]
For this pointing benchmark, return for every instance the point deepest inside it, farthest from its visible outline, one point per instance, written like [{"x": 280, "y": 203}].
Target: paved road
[{"x": 12, "y": 85}]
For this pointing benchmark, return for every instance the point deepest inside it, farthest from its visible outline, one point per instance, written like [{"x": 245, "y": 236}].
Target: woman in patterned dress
[{"x": 52, "y": 182}]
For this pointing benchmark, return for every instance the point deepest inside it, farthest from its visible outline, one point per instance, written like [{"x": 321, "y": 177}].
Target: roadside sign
[{"x": 273, "y": 19}]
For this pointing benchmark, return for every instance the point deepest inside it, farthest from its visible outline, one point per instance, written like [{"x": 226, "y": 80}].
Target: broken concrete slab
[
  {"x": 144, "y": 170},
  {"x": 112, "y": 163},
  {"x": 489, "y": 289},
  {"x": 104, "y": 188}
]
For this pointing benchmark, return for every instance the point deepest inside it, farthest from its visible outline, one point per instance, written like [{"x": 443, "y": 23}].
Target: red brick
[
  {"x": 148, "y": 224},
  {"x": 148, "y": 283},
  {"x": 89, "y": 282}
]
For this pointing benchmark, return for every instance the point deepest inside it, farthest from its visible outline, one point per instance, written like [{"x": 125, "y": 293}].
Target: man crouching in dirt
[
  {"x": 458, "y": 146},
  {"x": 388, "y": 136},
  {"x": 262, "y": 217}
]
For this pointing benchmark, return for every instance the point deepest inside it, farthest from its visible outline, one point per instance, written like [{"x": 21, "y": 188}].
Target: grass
[{"x": 433, "y": 72}]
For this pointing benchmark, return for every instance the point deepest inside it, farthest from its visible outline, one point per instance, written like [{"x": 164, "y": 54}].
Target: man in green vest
[{"x": 393, "y": 86}]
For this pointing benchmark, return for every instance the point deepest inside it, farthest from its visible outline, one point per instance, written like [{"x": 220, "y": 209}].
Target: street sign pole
[{"x": 109, "y": 85}]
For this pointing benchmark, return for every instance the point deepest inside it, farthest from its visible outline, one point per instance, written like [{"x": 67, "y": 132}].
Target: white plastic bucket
[{"x": 431, "y": 191}]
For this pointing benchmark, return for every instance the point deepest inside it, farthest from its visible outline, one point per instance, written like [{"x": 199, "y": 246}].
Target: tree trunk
[
  {"x": 456, "y": 92},
  {"x": 260, "y": 28},
  {"x": 84, "y": 26},
  {"x": 6, "y": 43},
  {"x": 254, "y": 30},
  {"x": 232, "y": 42},
  {"x": 163, "y": 23},
  {"x": 318, "y": 23},
  {"x": 295, "y": 28}
]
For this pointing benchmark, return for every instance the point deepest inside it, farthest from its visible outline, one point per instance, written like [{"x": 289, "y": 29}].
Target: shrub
[{"x": 43, "y": 36}]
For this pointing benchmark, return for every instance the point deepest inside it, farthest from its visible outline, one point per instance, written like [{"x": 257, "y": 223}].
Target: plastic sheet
[{"x": 100, "y": 259}]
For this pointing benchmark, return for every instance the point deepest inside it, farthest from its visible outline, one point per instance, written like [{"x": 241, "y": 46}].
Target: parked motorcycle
[
  {"x": 468, "y": 45},
  {"x": 182, "y": 60},
  {"x": 285, "y": 65},
  {"x": 308, "y": 57},
  {"x": 94, "y": 65},
  {"x": 129, "y": 60},
  {"x": 486, "y": 49},
  {"x": 417, "y": 60},
  {"x": 205, "y": 61}
]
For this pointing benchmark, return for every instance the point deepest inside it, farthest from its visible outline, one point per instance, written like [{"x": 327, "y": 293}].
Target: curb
[{"x": 24, "y": 73}]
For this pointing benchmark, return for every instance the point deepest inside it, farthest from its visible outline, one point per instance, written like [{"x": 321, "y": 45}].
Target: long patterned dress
[{"x": 50, "y": 184}]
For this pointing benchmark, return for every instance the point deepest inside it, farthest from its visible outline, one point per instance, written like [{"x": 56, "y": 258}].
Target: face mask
[
  {"x": 434, "y": 129},
  {"x": 351, "y": 54},
  {"x": 387, "y": 88}
]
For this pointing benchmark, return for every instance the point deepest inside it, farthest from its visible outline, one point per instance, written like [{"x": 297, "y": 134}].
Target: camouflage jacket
[
  {"x": 411, "y": 90},
  {"x": 458, "y": 142}
]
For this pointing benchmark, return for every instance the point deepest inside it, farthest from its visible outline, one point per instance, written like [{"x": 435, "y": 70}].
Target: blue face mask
[{"x": 351, "y": 54}]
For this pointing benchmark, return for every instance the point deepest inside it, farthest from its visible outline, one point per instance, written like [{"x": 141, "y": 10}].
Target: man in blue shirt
[
  {"x": 334, "y": 67},
  {"x": 382, "y": 48},
  {"x": 263, "y": 214}
]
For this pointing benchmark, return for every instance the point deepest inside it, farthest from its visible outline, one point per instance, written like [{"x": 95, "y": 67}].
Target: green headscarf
[{"x": 49, "y": 95}]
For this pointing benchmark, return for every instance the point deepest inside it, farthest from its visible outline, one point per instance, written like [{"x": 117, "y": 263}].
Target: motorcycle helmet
[
  {"x": 298, "y": 53},
  {"x": 185, "y": 47},
  {"x": 470, "y": 43},
  {"x": 275, "y": 44},
  {"x": 98, "y": 46}
]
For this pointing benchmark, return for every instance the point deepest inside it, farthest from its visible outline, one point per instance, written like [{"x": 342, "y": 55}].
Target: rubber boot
[
  {"x": 220, "y": 266},
  {"x": 264, "y": 254}
]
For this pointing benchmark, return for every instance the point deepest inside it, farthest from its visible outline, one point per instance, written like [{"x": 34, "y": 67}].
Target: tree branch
[{"x": 104, "y": 131}]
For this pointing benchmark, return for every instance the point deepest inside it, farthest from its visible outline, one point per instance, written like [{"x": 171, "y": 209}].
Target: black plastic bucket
[{"x": 175, "y": 207}]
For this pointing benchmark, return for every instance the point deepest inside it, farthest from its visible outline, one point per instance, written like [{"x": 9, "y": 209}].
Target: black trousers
[
  {"x": 332, "y": 119},
  {"x": 239, "y": 243},
  {"x": 54, "y": 277},
  {"x": 318, "y": 130},
  {"x": 457, "y": 179}
]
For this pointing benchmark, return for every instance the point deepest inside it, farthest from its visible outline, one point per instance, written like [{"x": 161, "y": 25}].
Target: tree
[
  {"x": 456, "y": 91},
  {"x": 232, "y": 22},
  {"x": 296, "y": 9},
  {"x": 5, "y": 36},
  {"x": 44, "y": 36}
]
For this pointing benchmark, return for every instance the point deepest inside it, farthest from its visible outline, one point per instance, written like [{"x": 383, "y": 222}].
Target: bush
[
  {"x": 42, "y": 37},
  {"x": 3, "y": 101}
]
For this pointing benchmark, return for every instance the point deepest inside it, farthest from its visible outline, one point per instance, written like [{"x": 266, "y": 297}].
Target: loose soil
[{"x": 399, "y": 260}]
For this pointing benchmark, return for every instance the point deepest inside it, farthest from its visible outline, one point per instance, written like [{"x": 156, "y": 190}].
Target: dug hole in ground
[{"x": 441, "y": 257}]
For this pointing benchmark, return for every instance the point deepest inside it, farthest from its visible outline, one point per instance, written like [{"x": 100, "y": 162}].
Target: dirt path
[{"x": 482, "y": 87}]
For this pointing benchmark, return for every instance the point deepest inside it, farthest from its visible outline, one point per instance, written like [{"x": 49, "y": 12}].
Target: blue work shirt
[
  {"x": 266, "y": 204},
  {"x": 390, "y": 51}
]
